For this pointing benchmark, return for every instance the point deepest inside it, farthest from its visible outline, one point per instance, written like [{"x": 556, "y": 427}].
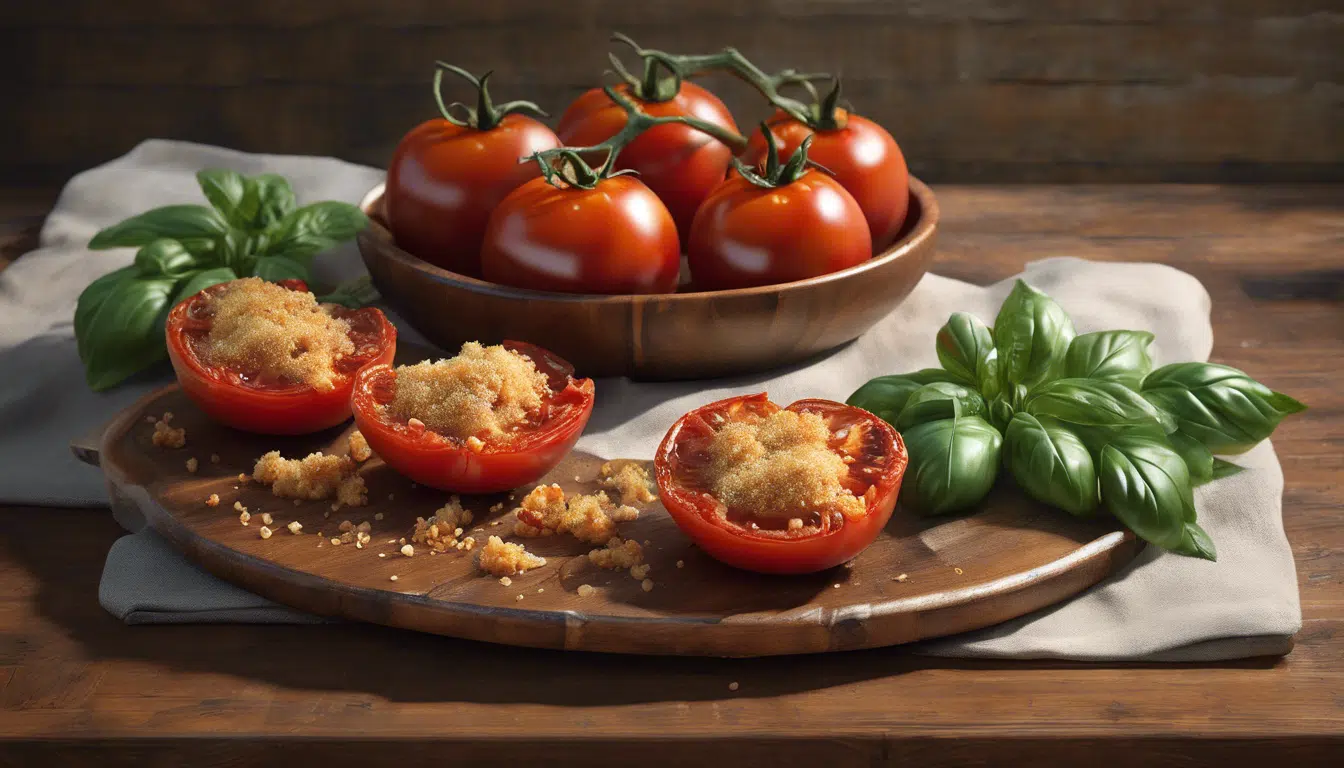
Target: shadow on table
[{"x": 407, "y": 666}]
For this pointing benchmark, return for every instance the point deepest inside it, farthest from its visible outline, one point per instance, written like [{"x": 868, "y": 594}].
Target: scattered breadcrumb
[
  {"x": 193, "y": 465},
  {"x": 262, "y": 326},
  {"x": 507, "y": 559},
  {"x": 316, "y": 476},
  {"x": 578, "y": 479},
  {"x": 335, "y": 542},
  {"x": 496, "y": 507},
  {"x": 506, "y": 581},
  {"x": 640, "y": 572},
  {"x": 359, "y": 447},
  {"x": 242, "y": 478},
  {"x": 540, "y": 590},
  {"x": 587, "y": 517},
  {"x": 244, "y": 517},
  {"x": 441, "y": 531},
  {"x": 352, "y": 492},
  {"x": 265, "y": 532},
  {"x": 586, "y": 590},
  {"x": 214, "y": 458},
  {"x": 295, "y": 527},
  {"x": 212, "y": 500},
  {"x": 382, "y": 554},
  {"x": 733, "y": 686},
  {"x": 617, "y": 554},
  {"x": 391, "y": 497},
  {"x": 482, "y": 391},
  {"x": 518, "y": 598},
  {"x": 150, "y": 419},
  {"x": 902, "y": 577},
  {"x": 681, "y": 563},
  {"x": 629, "y": 478},
  {"x": 837, "y": 586},
  {"x": 377, "y": 515},
  {"x": 958, "y": 571},
  {"x": 468, "y": 543},
  {"x": 408, "y": 551},
  {"x": 168, "y": 437},
  {"x": 298, "y": 502},
  {"x": 393, "y": 577},
  {"x": 266, "y": 518},
  {"x": 646, "y": 585},
  {"x": 238, "y": 506}
]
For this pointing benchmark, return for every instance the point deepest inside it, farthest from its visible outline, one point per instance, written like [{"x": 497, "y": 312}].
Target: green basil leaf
[
  {"x": 1146, "y": 485},
  {"x": 200, "y": 281},
  {"x": 940, "y": 400},
  {"x": 91, "y": 300},
  {"x": 963, "y": 343},
  {"x": 226, "y": 190},
  {"x": 277, "y": 268},
  {"x": 1051, "y": 464},
  {"x": 988, "y": 377},
  {"x": 1001, "y": 413},
  {"x": 885, "y": 396},
  {"x": 1032, "y": 334},
  {"x": 1221, "y": 407},
  {"x": 275, "y": 200},
  {"x": 356, "y": 293},
  {"x": 1196, "y": 543},
  {"x": 953, "y": 464},
  {"x": 1222, "y": 468},
  {"x": 309, "y": 230},
  {"x": 126, "y": 333},
  {"x": 235, "y": 251},
  {"x": 1196, "y": 457},
  {"x": 1120, "y": 356},
  {"x": 165, "y": 258},
  {"x": 1094, "y": 403},
  {"x": 176, "y": 222}
]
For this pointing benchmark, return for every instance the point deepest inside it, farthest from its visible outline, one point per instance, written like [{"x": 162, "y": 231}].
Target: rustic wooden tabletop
[{"x": 79, "y": 688}]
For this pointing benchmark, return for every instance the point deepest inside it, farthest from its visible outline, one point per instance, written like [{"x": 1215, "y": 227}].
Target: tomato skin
[
  {"x": 745, "y": 235},
  {"x": 861, "y": 155},
  {"x": 680, "y": 164},
  {"x": 760, "y": 554},
  {"x": 293, "y": 410},
  {"x": 438, "y": 462},
  {"x": 617, "y": 238},
  {"x": 444, "y": 180}
]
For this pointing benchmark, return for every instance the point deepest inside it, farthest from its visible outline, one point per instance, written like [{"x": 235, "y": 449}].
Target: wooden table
[{"x": 79, "y": 688}]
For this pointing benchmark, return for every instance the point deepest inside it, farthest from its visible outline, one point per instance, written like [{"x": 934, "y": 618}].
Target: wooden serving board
[{"x": 1013, "y": 557}]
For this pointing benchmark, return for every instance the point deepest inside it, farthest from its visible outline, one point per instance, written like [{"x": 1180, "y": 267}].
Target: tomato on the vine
[
  {"x": 792, "y": 223},
  {"x": 874, "y": 460},
  {"x": 255, "y": 401},
  {"x": 860, "y": 154},
  {"x": 679, "y": 163},
  {"x": 615, "y": 237},
  {"x": 448, "y": 174},
  {"x": 499, "y": 464}
]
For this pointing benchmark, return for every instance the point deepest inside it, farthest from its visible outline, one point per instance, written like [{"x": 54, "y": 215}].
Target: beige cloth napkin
[{"x": 1161, "y": 607}]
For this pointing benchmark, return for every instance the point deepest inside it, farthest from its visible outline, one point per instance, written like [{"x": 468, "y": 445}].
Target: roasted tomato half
[
  {"x": 446, "y": 463},
  {"x": 874, "y": 458},
  {"x": 255, "y": 402}
]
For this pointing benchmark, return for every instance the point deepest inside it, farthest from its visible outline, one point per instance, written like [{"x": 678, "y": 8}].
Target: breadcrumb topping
[
  {"x": 166, "y": 436},
  {"x": 260, "y": 326},
  {"x": 481, "y": 392},
  {"x": 779, "y": 466},
  {"x": 212, "y": 500},
  {"x": 618, "y": 555},
  {"x": 359, "y": 446},
  {"x": 193, "y": 465},
  {"x": 316, "y": 476},
  {"x": 587, "y": 517},
  {"x": 442, "y": 530},
  {"x": 628, "y": 478},
  {"x": 500, "y": 558}
]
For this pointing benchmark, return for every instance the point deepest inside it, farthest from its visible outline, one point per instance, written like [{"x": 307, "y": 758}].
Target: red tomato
[
  {"x": 745, "y": 235},
  {"x": 444, "y": 180},
  {"x": 680, "y": 164},
  {"x": 447, "y": 464},
  {"x": 863, "y": 158},
  {"x": 769, "y": 546},
  {"x": 615, "y": 238},
  {"x": 253, "y": 403}
]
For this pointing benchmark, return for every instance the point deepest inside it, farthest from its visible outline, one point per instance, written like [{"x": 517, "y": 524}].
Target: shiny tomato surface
[
  {"x": 861, "y": 155},
  {"x": 680, "y": 164},
  {"x": 769, "y": 545},
  {"x": 255, "y": 402},
  {"x": 745, "y": 235},
  {"x": 615, "y": 238},
  {"x": 502, "y": 463},
  {"x": 444, "y": 180}
]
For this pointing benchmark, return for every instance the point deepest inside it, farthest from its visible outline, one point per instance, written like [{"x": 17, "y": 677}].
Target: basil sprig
[
  {"x": 252, "y": 227},
  {"x": 1081, "y": 422}
]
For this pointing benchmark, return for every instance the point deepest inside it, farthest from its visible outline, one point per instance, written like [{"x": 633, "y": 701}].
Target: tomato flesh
[
  {"x": 252, "y": 400},
  {"x": 767, "y": 544},
  {"x": 524, "y": 456}
]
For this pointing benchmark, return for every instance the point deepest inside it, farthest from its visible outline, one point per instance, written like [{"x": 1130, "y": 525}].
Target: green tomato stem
[{"x": 486, "y": 114}]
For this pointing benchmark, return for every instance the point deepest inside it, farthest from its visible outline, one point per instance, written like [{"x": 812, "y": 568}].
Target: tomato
[
  {"x": 746, "y": 235},
  {"x": 256, "y": 403},
  {"x": 446, "y": 463},
  {"x": 615, "y": 238},
  {"x": 679, "y": 163},
  {"x": 771, "y": 546},
  {"x": 861, "y": 155},
  {"x": 445, "y": 179}
]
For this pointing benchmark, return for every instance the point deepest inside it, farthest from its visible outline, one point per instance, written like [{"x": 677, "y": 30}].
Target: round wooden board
[{"x": 1012, "y": 557}]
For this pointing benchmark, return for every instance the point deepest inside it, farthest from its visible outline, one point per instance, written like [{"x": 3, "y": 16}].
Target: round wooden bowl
[{"x": 684, "y": 335}]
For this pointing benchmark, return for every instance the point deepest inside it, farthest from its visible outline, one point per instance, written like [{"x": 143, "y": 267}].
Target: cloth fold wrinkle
[{"x": 1161, "y": 607}]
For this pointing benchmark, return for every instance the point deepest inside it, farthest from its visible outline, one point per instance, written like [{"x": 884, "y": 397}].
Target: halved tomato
[
  {"x": 875, "y": 456},
  {"x": 251, "y": 400},
  {"x": 448, "y": 464}
]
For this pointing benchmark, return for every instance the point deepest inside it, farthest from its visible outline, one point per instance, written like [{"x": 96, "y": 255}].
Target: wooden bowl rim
[{"x": 913, "y": 240}]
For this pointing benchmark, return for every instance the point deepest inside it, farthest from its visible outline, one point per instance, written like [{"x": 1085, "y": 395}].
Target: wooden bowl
[{"x": 685, "y": 335}]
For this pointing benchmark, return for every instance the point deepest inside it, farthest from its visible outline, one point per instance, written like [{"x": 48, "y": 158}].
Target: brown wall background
[{"x": 974, "y": 90}]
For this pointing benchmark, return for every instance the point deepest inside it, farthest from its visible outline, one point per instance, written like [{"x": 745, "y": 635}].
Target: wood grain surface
[
  {"x": 988, "y": 90},
  {"x": 1012, "y": 557},
  {"x": 664, "y": 336},
  {"x": 79, "y": 688}
]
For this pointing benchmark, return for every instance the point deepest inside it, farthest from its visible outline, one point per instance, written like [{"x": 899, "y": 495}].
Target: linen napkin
[{"x": 1162, "y": 607}]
